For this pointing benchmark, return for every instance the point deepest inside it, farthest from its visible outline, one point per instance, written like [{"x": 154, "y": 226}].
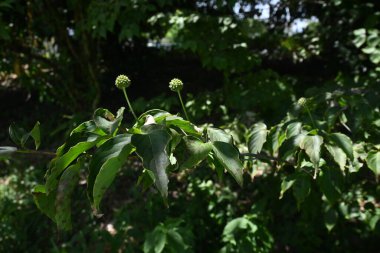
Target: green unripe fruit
[
  {"x": 175, "y": 85},
  {"x": 302, "y": 102},
  {"x": 122, "y": 82}
]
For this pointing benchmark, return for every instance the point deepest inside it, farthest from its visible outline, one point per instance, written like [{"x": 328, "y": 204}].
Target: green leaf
[
  {"x": 175, "y": 241},
  {"x": 215, "y": 165},
  {"x": 331, "y": 116},
  {"x": 175, "y": 141},
  {"x": 67, "y": 183},
  {"x": 105, "y": 164},
  {"x": 276, "y": 137},
  {"x": 360, "y": 37},
  {"x": 191, "y": 151},
  {"x": 151, "y": 146},
  {"x": 373, "y": 39},
  {"x": 301, "y": 188},
  {"x": 216, "y": 134},
  {"x": 369, "y": 50},
  {"x": 179, "y": 122},
  {"x": 65, "y": 159},
  {"x": 81, "y": 133},
  {"x": 158, "y": 115},
  {"x": 286, "y": 184},
  {"x": 330, "y": 218},
  {"x": 312, "y": 147},
  {"x": 228, "y": 156},
  {"x": 298, "y": 139},
  {"x": 87, "y": 127},
  {"x": 40, "y": 188},
  {"x": 18, "y": 135},
  {"x": 344, "y": 142},
  {"x": 338, "y": 155},
  {"x": 373, "y": 221},
  {"x": 331, "y": 183},
  {"x": 5, "y": 151},
  {"x": 155, "y": 241},
  {"x": 237, "y": 224},
  {"x": 106, "y": 121},
  {"x": 288, "y": 149},
  {"x": 375, "y": 57},
  {"x": 74, "y": 151},
  {"x": 36, "y": 135},
  {"x": 44, "y": 201},
  {"x": 257, "y": 138},
  {"x": 373, "y": 161},
  {"x": 146, "y": 179},
  {"x": 293, "y": 129}
]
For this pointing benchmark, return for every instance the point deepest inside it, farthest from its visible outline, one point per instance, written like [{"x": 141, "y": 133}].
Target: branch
[
  {"x": 267, "y": 157},
  {"x": 35, "y": 152}
]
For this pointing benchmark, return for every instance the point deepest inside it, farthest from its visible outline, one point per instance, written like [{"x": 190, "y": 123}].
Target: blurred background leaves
[{"x": 242, "y": 62}]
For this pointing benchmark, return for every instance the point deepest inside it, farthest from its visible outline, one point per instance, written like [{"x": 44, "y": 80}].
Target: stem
[
  {"x": 129, "y": 104},
  {"x": 311, "y": 118},
  {"x": 34, "y": 152},
  {"x": 315, "y": 173},
  {"x": 183, "y": 107},
  {"x": 266, "y": 157}
]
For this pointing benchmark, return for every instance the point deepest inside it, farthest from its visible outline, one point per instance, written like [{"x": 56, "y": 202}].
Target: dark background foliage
[{"x": 241, "y": 62}]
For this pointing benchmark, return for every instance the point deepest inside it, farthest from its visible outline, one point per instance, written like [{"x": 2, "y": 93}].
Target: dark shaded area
[{"x": 242, "y": 62}]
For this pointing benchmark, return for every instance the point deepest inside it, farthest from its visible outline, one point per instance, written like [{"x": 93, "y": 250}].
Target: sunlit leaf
[
  {"x": 151, "y": 146},
  {"x": 312, "y": 147},
  {"x": 104, "y": 165},
  {"x": 184, "y": 125},
  {"x": 257, "y": 138},
  {"x": 61, "y": 162},
  {"x": 373, "y": 161},
  {"x": 344, "y": 142},
  {"x": 338, "y": 155},
  {"x": 45, "y": 201},
  {"x": 369, "y": 50},
  {"x": 375, "y": 57},
  {"x": 36, "y": 135},
  {"x": 157, "y": 114},
  {"x": 146, "y": 179},
  {"x": 286, "y": 184},
  {"x": 106, "y": 121},
  {"x": 216, "y": 134},
  {"x": 87, "y": 127},
  {"x": 293, "y": 129},
  {"x": 276, "y": 137},
  {"x": 228, "y": 156},
  {"x": 191, "y": 151},
  {"x": 236, "y": 225},
  {"x": 360, "y": 37}
]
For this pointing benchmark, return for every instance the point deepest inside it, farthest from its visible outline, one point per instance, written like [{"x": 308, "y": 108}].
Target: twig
[
  {"x": 263, "y": 156},
  {"x": 35, "y": 152}
]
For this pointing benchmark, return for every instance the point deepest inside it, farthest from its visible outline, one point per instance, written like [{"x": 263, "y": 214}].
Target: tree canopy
[{"x": 248, "y": 126}]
